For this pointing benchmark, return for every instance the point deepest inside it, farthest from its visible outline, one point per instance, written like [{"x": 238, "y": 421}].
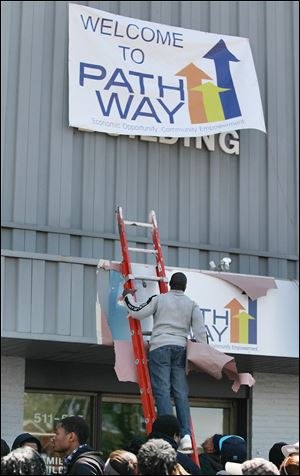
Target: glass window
[
  {"x": 207, "y": 421},
  {"x": 42, "y": 411},
  {"x": 122, "y": 420}
]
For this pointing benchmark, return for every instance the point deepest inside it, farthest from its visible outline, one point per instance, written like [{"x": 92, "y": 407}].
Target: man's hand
[{"x": 128, "y": 291}]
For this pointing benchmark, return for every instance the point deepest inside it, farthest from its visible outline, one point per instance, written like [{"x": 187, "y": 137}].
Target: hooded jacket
[
  {"x": 85, "y": 462},
  {"x": 174, "y": 317},
  {"x": 210, "y": 463},
  {"x": 23, "y": 438}
]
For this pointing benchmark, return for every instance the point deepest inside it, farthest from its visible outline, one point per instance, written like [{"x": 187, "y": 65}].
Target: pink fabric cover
[
  {"x": 254, "y": 286},
  {"x": 200, "y": 357}
]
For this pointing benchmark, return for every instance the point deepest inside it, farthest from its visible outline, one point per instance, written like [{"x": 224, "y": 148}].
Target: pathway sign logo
[
  {"x": 243, "y": 325},
  {"x": 209, "y": 102},
  {"x": 233, "y": 326}
]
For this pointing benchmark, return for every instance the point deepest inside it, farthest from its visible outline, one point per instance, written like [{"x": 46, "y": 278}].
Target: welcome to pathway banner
[{"x": 129, "y": 76}]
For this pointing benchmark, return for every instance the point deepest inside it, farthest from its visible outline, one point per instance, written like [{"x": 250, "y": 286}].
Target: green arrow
[
  {"x": 243, "y": 331},
  {"x": 212, "y": 101}
]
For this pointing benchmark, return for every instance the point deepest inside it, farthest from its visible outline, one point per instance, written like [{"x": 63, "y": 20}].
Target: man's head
[
  {"x": 24, "y": 460},
  {"x": 121, "y": 462},
  {"x": 178, "y": 282},
  {"x": 166, "y": 425},
  {"x": 211, "y": 444},
  {"x": 275, "y": 454},
  {"x": 26, "y": 439},
  {"x": 233, "y": 448},
  {"x": 252, "y": 467},
  {"x": 70, "y": 433},
  {"x": 156, "y": 457}
]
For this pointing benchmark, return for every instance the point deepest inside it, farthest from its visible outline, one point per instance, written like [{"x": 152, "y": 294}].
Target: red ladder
[{"x": 135, "y": 325}]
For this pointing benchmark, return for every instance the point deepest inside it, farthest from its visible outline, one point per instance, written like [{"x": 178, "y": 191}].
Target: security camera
[{"x": 225, "y": 264}]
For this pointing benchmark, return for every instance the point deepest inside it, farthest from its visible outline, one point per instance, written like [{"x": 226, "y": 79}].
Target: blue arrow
[
  {"x": 252, "y": 329},
  {"x": 222, "y": 56}
]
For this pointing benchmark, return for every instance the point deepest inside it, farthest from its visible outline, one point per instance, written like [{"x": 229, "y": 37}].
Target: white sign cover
[
  {"x": 236, "y": 324},
  {"x": 133, "y": 77}
]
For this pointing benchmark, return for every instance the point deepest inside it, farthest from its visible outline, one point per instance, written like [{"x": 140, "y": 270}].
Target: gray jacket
[{"x": 175, "y": 316}]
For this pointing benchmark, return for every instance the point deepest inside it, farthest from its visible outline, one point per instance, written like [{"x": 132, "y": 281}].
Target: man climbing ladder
[{"x": 174, "y": 316}]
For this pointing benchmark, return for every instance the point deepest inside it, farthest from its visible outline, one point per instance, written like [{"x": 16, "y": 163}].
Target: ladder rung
[
  {"x": 151, "y": 278},
  {"x": 147, "y": 333},
  {"x": 137, "y": 223},
  {"x": 142, "y": 250}
]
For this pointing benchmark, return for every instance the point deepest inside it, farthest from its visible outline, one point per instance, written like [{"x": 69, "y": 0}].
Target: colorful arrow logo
[
  {"x": 222, "y": 57},
  {"x": 243, "y": 326},
  {"x": 208, "y": 102}
]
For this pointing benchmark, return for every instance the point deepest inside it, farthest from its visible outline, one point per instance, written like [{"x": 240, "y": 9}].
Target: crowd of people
[
  {"x": 167, "y": 449},
  {"x": 158, "y": 454}
]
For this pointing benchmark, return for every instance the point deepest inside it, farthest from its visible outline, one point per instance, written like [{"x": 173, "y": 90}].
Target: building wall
[
  {"x": 46, "y": 298},
  {"x": 275, "y": 410},
  {"x": 12, "y": 397},
  {"x": 61, "y": 186}
]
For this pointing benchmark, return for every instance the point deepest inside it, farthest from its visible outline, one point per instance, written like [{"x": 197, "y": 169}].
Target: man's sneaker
[{"x": 185, "y": 445}]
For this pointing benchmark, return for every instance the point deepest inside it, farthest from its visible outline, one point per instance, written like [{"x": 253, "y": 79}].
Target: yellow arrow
[
  {"x": 212, "y": 101},
  {"x": 243, "y": 330}
]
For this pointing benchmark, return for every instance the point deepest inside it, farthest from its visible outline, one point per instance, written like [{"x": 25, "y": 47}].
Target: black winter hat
[
  {"x": 275, "y": 454},
  {"x": 26, "y": 437},
  {"x": 167, "y": 425}
]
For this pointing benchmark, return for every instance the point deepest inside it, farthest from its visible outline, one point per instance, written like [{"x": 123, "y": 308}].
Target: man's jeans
[{"x": 168, "y": 378}]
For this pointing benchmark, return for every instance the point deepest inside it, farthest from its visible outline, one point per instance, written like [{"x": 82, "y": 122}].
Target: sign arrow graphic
[
  {"x": 222, "y": 57},
  {"x": 212, "y": 101},
  {"x": 194, "y": 77},
  {"x": 235, "y": 307},
  {"x": 243, "y": 318},
  {"x": 252, "y": 309}
]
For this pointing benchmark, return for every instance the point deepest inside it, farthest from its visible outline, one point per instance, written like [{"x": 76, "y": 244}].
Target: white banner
[
  {"x": 235, "y": 323},
  {"x": 129, "y": 76}
]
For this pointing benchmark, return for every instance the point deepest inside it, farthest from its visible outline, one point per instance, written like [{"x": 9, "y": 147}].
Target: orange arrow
[
  {"x": 194, "y": 78},
  {"x": 235, "y": 307}
]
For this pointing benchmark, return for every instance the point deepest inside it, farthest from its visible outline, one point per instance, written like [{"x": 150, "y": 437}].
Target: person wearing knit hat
[
  {"x": 254, "y": 466},
  {"x": 166, "y": 427},
  {"x": 156, "y": 457},
  {"x": 26, "y": 439},
  {"x": 233, "y": 448},
  {"x": 275, "y": 454}
]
